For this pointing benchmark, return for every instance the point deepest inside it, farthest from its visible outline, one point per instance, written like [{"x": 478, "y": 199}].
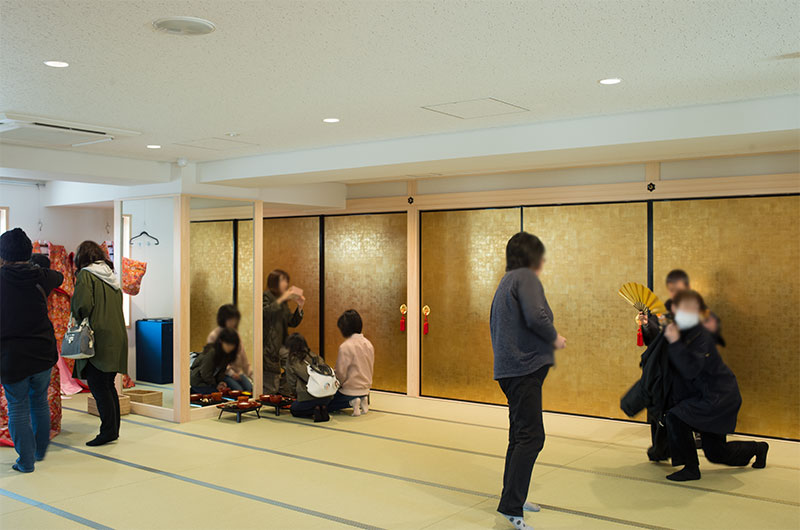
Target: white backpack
[{"x": 320, "y": 384}]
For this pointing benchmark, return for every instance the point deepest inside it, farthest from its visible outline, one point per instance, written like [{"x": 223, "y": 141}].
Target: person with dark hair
[
  {"x": 28, "y": 349},
  {"x": 705, "y": 395},
  {"x": 277, "y": 319},
  {"x": 677, "y": 281},
  {"x": 523, "y": 339},
  {"x": 40, "y": 260},
  {"x": 354, "y": 366},
  {"x": 300, "y": 358},
  {"x": 239, "y": 375},
  {"x": 209, "y": 369},
  {"x": 98, "y": 297}
]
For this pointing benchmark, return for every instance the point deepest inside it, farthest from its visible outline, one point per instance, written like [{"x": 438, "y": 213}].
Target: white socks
[
  {"x": 531, "y": 507},
  {"x": 518, "y": 522},
  {"x": 356, "y": 404},
  {"x": 360, "y": 405}
]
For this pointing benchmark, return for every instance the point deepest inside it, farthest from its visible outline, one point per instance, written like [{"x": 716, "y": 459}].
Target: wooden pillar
[
  {"x": 258, "y": 283},
  {"x": 180, "y": 293},
  {"x": 412, "y": 294}
]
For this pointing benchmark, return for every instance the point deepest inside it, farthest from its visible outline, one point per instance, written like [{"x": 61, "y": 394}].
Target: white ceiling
[{"x": 273, "y": 70}]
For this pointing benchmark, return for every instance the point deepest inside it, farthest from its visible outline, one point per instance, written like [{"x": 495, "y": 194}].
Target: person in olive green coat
[
  {"x": 299, "y": 359},
  {"x": 98, "y": 297},
  {"x": 277, "y": 319}
]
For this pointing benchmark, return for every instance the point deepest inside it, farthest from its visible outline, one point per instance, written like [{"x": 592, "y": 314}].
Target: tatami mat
[{"x": 410, "y": 463}]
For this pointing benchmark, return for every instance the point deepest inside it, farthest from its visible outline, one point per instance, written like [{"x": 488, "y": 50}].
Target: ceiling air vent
[{"x": 36, "y": 131}]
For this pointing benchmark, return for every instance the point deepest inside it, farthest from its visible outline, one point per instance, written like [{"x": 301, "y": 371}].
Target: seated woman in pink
[{"x": 354, "y": 366}]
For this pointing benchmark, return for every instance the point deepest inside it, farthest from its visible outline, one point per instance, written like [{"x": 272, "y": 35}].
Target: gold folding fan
[{"x": 642, "y": 298}]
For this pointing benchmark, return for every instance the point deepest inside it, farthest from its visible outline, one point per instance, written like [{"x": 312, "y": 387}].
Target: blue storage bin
[{"x": 154, "y": 350}]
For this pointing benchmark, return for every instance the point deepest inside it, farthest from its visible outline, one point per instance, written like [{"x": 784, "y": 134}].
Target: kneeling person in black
[{"x": 706, "y": 396}]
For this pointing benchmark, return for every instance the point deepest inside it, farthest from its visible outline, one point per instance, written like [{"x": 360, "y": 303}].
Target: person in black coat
[
  {"x": 677, "y": 280},
  {"x": 27, "y": 346},
  {"x": 705, "y": 395}
]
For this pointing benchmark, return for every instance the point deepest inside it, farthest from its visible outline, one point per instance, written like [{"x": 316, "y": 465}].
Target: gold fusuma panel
[
  {"x": 292, "y": 244},
  {"x": 365, "y": 270},
  {"x": 591, "y": 250},
  {"x": 742, "y": 255},
  {"x": 463, "y": 260},
  {"x": 211, "y": 276},
  {"x": 244, "y": 285}
]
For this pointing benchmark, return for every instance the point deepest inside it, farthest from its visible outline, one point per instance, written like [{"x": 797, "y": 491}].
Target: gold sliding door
[
  {"x": 365, "y": 270},
  {"x": 742, "y": 255},
  {"x": 463, "y": 259},
  {"x": 292, "y": 244},
  {"x": 211, "y": 276},
  {"x": 244, "y": 282},
  {"x": 591, "y": 251}
]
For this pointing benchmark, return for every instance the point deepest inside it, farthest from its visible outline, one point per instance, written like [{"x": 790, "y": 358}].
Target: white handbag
[
  {"x": 78, "y": 342},
  {"x": 321, "y": 384}
]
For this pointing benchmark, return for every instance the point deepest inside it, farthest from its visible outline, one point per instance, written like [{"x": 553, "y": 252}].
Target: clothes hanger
[{"x": 143, "y": 233}]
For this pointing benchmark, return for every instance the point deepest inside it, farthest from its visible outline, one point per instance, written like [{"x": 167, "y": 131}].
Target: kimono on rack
[{"x": 58, "y": 311}]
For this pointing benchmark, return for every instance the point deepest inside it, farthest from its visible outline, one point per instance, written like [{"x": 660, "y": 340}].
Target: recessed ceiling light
[
  {"x": 184, "y": 26},
  {"x": 610, "y": 81},
  {"x": 153, "y": 146},
  {"x": 56, "y": 64},
  {"x": 232, "y": 134},
  {"x": 331, "y": 120}
]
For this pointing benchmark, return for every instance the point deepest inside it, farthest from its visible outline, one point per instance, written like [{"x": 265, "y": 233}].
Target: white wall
[
  {"x": 155, "y": 298},
  {"x": 66, "y": 226}
]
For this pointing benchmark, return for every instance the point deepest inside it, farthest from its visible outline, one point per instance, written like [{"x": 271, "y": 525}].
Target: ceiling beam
[{"x": 640, "y": 136}]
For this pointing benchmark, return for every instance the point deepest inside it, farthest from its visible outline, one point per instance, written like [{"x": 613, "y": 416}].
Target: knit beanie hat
[{"x": 15, "y": 246}]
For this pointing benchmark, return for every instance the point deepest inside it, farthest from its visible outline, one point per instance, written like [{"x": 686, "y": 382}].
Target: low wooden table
[
  {"x": 285, "y": 404},
  {"x": 233, "y": 407}
]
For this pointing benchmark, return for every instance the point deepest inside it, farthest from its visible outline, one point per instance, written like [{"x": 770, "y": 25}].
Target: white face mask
[{"x": 686, "y": 319}]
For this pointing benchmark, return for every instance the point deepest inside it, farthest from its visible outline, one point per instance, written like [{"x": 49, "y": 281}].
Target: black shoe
[
  {"x": 657, "y": 455},
  {"x": 685, "y": 474},
  {"x": 761, "y": 455},
  {"x": 321, "y": 414},
  {"x": 100, "y": 440}
]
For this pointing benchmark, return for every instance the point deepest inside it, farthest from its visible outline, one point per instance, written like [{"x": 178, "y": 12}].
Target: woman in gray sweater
[{"x": 523, "y": 340}]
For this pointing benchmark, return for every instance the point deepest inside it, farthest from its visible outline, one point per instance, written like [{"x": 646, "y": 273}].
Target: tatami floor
[{"x": 409, "y": 463}]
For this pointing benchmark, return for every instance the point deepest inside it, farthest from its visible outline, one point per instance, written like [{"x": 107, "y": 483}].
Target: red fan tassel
[
  {"x": 639, "y": 337},
  {"x": 402, "y": 323},
  {"x": 425, "y": 326}
]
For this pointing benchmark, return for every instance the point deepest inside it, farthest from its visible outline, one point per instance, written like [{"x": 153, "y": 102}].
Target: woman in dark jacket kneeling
[
  {"x": 705, "y": 394},
  {"x": 299, "y": 359},
  {"x": 211, "y": 366}
]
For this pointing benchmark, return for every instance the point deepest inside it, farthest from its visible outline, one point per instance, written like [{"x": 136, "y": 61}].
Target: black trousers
[
  {"x": 305, "y": 409},
  {"x": 715, "y": 447},
  {"x": 659, "y": 450},
  {"x": 101, "y": 384},
  {"x": 525, "y": 437}
]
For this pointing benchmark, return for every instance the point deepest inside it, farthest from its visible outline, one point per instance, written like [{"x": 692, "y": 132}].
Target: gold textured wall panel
[
  {"x": 292, "y": 244},
  {"x": 463, "y": 260},
  {"x": 211, "y": 276},
  {"x": 244, "y": 285},
  {"x": 365, "y": 270},
  {"x": 591, "y": 250},
  {"x": 742, "y": 255}
]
